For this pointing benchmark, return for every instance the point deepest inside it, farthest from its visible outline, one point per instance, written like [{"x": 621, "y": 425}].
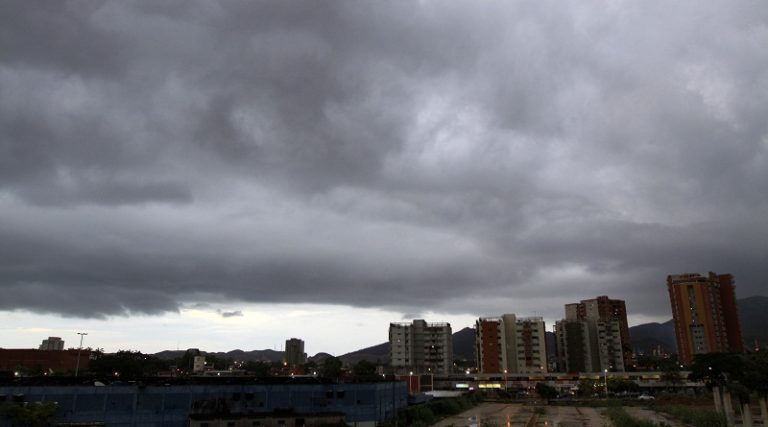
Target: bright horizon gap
[{"x": 208, "y": 331}]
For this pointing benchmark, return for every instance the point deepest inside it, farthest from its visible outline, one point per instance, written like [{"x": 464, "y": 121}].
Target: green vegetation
[
  {"x": 697, "y": 417},
  {"x": 33, "y": 414},
  {"x": 258, "y": 369},
  {"x": 621, "y": 385},
  {"x": 437, "y": 409},
  {"x": 364, "y": 371},
  {"x": 331, "y": 368},
  {"x": 546, "y": 391},
  {"x": 621, "y": 418},
  {"x": 127, "y": 364}
]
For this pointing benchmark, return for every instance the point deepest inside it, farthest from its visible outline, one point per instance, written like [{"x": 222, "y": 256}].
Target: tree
[
  {"x": 620, "y": 385},
  {"x": 259, "y": 369},
  {"x": 310, "y": 367},
  {"x": 364, "y": 370},
  {"x": 717, "y": 369},
  {"x": 670, "y": 370},
  {"x": 587, "y": 387},
  {"x": 546, "y": 391},
  {"x": 127, "y": 364},
  {"x": 332, "y": 367},
  {"x": 755, "y": 375},
  {"x": 185, "y": 362},
  {"x": 34, "y": 415}
]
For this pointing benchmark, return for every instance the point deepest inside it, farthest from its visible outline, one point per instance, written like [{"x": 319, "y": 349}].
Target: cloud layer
[{"x": 416, "y": 156}]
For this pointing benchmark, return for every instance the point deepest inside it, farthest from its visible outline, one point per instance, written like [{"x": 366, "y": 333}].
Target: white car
[{"x": 645, "y": 397}]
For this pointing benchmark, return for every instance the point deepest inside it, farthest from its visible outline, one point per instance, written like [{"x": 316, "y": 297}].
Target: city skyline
[
  {"x": 323, "y": 340},
  {"x": 229, "y": 175}
]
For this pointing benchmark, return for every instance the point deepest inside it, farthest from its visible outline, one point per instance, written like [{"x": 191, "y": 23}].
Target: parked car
[{"x": 645, "y": 397}]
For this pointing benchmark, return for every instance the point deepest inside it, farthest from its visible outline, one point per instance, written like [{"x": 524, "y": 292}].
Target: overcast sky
[{"x": 229, "y": 174}]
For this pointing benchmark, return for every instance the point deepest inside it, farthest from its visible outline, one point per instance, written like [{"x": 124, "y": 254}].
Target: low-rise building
[
  {"x": 167, "y": 402},
  {"x": 44, "y": 360}
]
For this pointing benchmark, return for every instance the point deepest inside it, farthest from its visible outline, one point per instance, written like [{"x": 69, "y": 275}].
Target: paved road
[{"x": 518, "y": 415}]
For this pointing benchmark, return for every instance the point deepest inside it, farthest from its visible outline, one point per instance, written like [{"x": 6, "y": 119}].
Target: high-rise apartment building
[
  {"x": 589, "y": 345},
  {"x": 490, "y": 345},
  {"x": 604, "y": 309},
  {"x": 575, "y": 349},
  {"x": 594, "y": 336},
  {"x": 421, "y": 347},
  {"x": 510, "y": 344},
  {"x": 52, "y": 344},
  {"x": 294, "y": 353},
  {"x": 705, "y": 314}
]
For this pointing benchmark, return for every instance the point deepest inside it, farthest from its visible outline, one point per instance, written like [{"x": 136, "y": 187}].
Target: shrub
[
  {"x": 621, "y": 418},
  {"x": 697, "y": 417}
]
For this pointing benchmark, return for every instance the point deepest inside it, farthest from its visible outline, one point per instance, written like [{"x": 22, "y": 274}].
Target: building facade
[
  {"x": 52, "y": 344},
  {"x": 509, "y": 344},
  {"x": 589, "y": 345},
  {"x": 421, "y": 347},
  {"x": 294, "y": 353},
  {"x": 12, "y": 360},
  {"x": 490, "y": 345},
  {"x": 576, "y": 352},
  {"x": 165, "y": 403},
  {"x": 705, "y": 314},
  {"x": 604, "y": 309}
]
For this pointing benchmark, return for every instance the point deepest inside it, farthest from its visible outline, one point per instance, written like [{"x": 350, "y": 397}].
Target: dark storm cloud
[{"x": 420, "y": 157}]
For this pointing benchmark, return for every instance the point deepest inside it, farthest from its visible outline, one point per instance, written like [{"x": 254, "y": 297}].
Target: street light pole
[
  {"x": 77, "y": 365},
  {"x": 606, "y": 382}
]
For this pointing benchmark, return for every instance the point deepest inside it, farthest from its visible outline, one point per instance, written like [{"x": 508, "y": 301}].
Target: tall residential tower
[
  {"x": 511, "y": 344},
  {"x": 594, "y": 336},
  {"x": 294, "y": 353},
  {"x": 705, "y": 314},
  {"x": 421, "y": 347}
]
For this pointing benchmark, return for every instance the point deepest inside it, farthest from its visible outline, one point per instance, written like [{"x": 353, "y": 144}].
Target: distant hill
[
  {"x": 464, "y": 344},
  {"x": 463, "y": 349},
  {"x": 650, "y": 336},
  {"x": 247, "y": 356},
  {"x": 753, "y": 313},
  {"x": 378, "y": 353},
  {"x": 319, "y": 358}
]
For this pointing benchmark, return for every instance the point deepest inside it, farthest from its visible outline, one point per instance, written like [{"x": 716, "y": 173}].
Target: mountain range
[{"x": 753, "y": 313}]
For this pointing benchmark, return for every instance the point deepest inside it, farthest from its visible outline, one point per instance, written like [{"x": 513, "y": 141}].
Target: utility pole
[{"x": 79, "y": 349}]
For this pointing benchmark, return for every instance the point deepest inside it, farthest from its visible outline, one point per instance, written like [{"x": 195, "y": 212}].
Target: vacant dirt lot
[{"x": 501, "y": 414}]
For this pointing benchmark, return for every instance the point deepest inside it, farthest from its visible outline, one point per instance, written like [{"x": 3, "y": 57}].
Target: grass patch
[
  {"x": 697, "y": 417},
  {"x": 621, "y": 418},
  {"x": 434, "y": 410}
]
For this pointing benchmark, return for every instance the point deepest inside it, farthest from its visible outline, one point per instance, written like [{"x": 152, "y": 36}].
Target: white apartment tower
[
  {"x": 52, "y": 344},
  {"x": 421, "y": 347}
]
